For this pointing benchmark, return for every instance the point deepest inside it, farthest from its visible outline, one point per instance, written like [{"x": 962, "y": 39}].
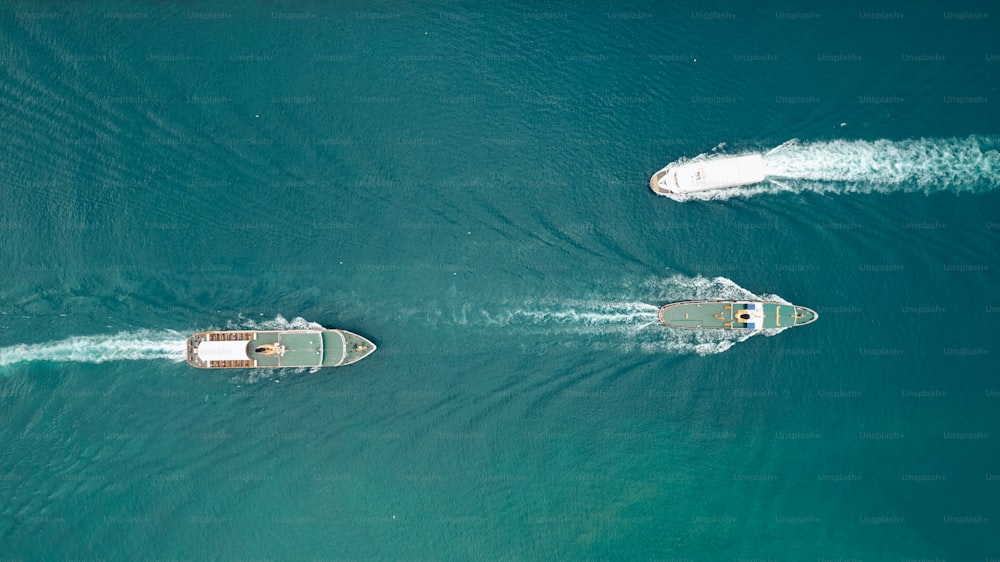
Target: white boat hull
[{"x": 708, "y": 175}]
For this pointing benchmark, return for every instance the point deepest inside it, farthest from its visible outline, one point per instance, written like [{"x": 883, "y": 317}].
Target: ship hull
[
  {"x": 708, "y": 174},
  {"x": 734, "y": 315},
  {"x": 261, "y": 349}
]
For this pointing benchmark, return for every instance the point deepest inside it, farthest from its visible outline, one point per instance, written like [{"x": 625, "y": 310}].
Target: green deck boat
[
  {"x": 735, "y": 315},
  {"x": 248, "y": 349}
]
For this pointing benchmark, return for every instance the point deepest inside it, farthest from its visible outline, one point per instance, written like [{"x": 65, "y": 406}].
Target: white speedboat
[{"x": 708, "y": 174}]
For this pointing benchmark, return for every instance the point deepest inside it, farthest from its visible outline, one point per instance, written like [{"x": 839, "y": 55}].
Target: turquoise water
[{"x": 467, "y": 185}]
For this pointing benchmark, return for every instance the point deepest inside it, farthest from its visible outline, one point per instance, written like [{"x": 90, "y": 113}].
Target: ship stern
[{"x": 191, "y": 356}]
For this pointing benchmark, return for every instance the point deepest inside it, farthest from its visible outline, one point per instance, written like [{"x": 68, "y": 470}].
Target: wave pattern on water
[
  {"x": 634, "y": 324},
  {"x": 141, "y": 345},
  {"x": 969, "y": 164},
  {"x": 279, "y": 322}
]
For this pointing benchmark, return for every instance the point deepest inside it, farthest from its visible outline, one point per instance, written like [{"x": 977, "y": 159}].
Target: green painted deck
[
  {"x": 276, "y": 348},
  {"x": 329, "y": 348},
  {"x": 726, "y": 315},
  {"x": 707, "y": 315},
  {"x": 302, "y": 349},
  {"x": 335, "y": 348}
]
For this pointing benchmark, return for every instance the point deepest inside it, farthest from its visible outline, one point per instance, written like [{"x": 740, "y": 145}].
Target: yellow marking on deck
[{"x": 777, "y": 316}]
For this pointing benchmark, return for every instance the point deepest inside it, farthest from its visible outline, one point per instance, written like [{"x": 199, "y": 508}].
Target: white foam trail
[
  {"x": 680, "y": 287},
  {"x": 634, "y": 324},
  {"x": 586, "y": 314},
  {"x": 969, "y": 164},
  {"x": 277, "y": 323},
  {"x": 702, "y": 342},
  {"x": 142, "y": 345}
]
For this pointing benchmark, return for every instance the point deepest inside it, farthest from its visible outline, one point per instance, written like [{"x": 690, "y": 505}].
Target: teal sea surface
[{"x": 467, "y": 185}]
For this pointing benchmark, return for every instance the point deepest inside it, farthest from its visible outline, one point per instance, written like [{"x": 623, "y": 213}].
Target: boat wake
[
  {"x": 142, "y": 345},
  {"x": 277, "y": 323},
  {"x": 584, "y": 316},
  {"x": 969, "y": 165},
  {"x": 633, "y": 324}
]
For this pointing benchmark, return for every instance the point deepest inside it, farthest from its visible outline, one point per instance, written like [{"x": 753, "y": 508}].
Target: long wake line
[
  {"x": 139, "y": 345},
  {"x": 134, "y": 346},
  {"x": 633, "y": 324},
  {"x": 969, "y": 165}
]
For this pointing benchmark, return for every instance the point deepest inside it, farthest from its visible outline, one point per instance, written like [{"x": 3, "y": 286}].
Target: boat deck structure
[
  {"x": 707, "y": 174},
  {"x": 248, "y": 349},
  {"x": 735, "y": 315}
]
